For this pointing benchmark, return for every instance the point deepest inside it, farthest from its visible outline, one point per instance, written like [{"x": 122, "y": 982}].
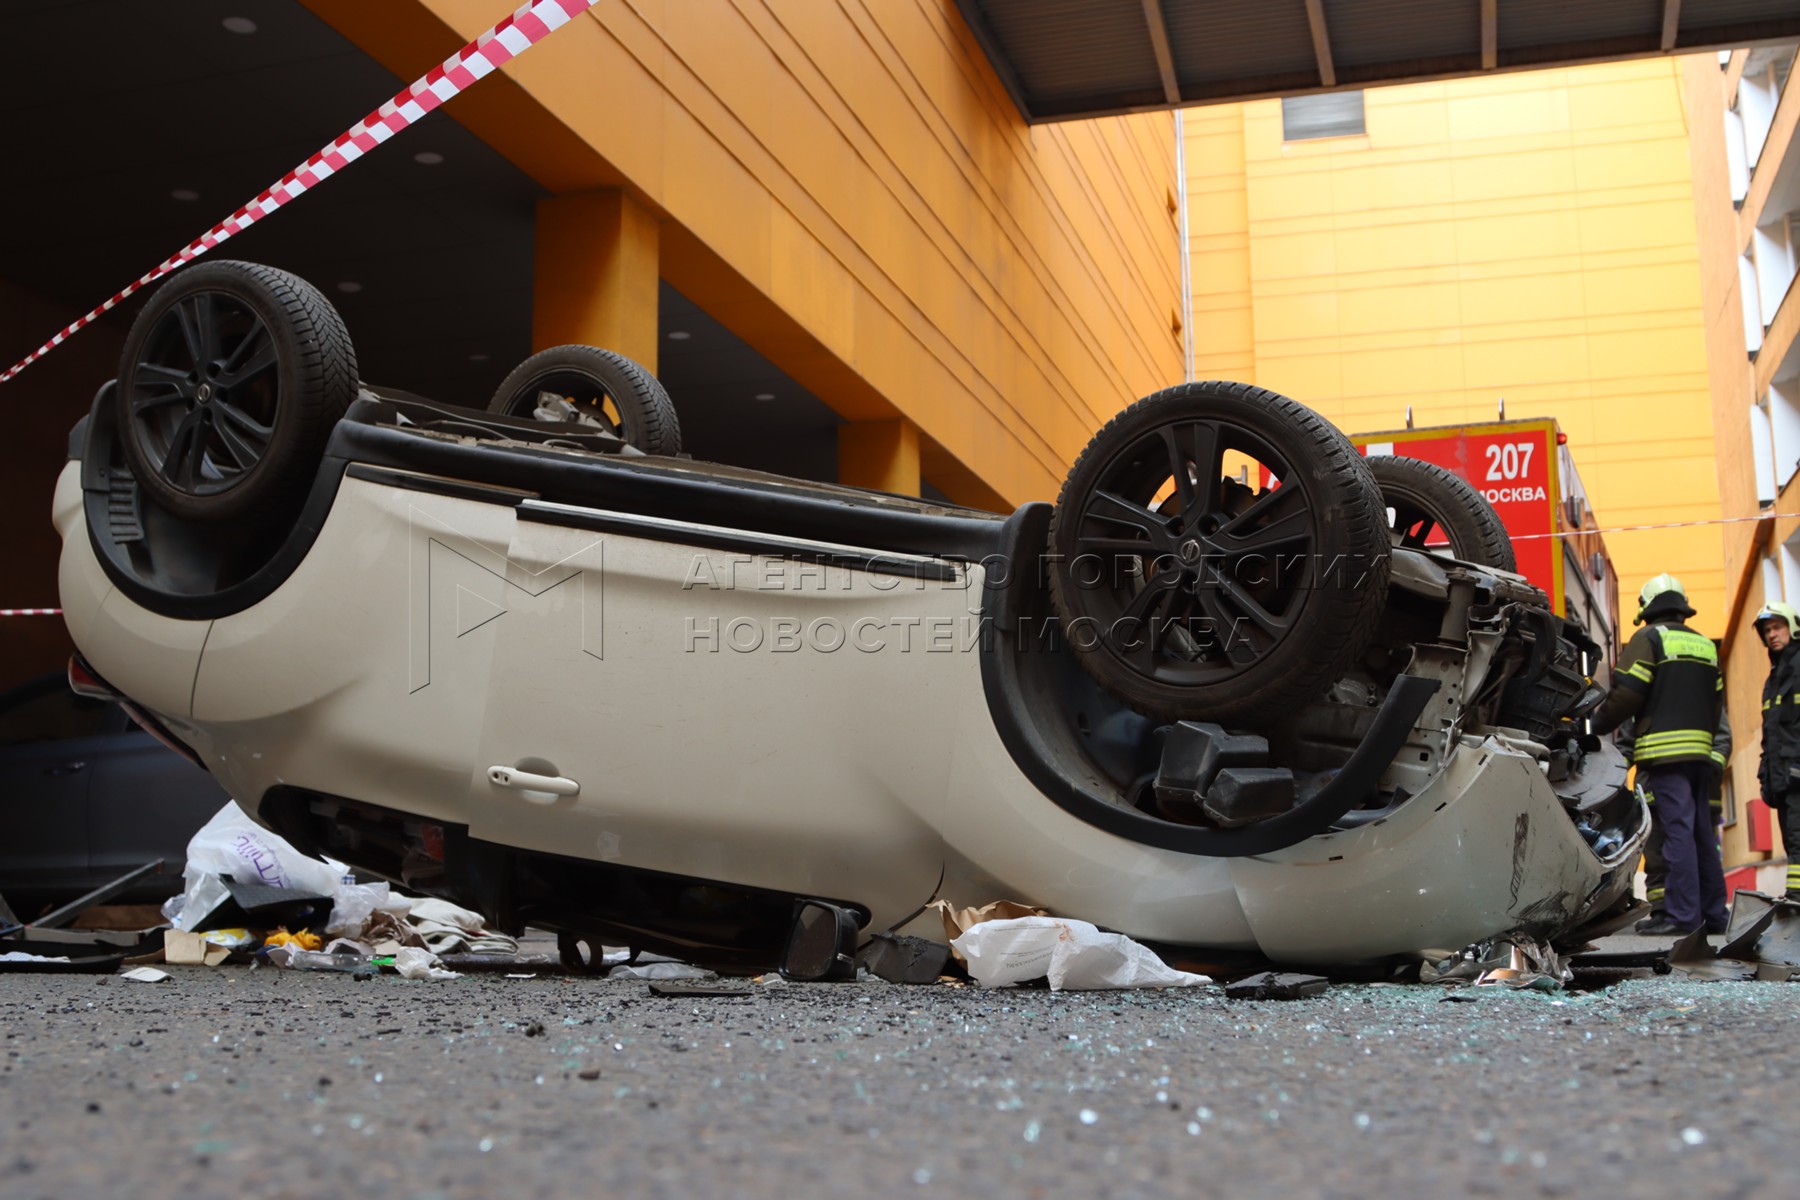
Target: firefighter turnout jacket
[
  {"x": 1668, "y": 682},
  {"x": 1779, "y": 773}
]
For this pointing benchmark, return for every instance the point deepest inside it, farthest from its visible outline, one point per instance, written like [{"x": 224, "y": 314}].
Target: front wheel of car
[
  {"x": 230, "y": 383},
  {"x": 1218, "y": 552},
  {"x": 591, "y": 386}
]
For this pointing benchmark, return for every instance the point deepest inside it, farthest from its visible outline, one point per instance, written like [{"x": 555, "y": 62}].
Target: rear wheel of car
[
  {"x": 230, "y": 383},
  {"x": 1432, "y": 509},
  {"x": 1219, "y": 552},
  {"x": 595, "y": 387}
]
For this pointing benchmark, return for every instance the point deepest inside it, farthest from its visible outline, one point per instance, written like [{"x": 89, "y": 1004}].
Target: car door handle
[
  {"x": 68, "y": 768},
  {"x": 525, "y": 781}
]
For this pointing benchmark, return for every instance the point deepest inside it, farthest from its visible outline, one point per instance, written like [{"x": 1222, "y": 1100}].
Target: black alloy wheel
[
  {"x": 591, "y": 386},
  {"x": 1218, "y": 552},
  {"x": 1432, "y": 509},
  {"x": 230, "y": 382}
]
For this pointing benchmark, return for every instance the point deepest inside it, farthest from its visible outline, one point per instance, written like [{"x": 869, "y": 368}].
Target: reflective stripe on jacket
[{"x": 1668, "y": 682}]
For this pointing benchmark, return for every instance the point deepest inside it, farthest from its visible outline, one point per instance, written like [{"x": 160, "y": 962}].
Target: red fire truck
[{"x": 1525, "y": 470}]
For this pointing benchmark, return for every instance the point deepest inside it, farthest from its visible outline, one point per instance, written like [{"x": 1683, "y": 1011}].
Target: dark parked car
[{"x": 87, "y": 796}]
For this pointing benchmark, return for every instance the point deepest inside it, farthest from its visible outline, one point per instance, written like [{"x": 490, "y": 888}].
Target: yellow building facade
[
  {"x": 1524, "y": 237},
  {"x": 848, "y": 189},
  {"x": 1746, "y": 178}
]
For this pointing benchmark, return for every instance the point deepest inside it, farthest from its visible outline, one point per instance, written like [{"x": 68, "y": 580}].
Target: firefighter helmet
[
  {"x": 1664, "y": 587},
  {"x": 1779, "y": 610}
]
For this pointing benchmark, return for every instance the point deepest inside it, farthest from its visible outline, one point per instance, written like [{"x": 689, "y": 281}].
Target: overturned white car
[{"x": 1211, "y": 698}]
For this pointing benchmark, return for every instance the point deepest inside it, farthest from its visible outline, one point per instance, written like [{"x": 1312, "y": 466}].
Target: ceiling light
[
  {"x": 430, "y": 158},
  {"x": 239, "y": 24},
  {"x": 184, "y": 195},
  {"x": 350, "y": 286},
  {"x": 679, "y": 335},
  {"x": 765, "y": 395}
]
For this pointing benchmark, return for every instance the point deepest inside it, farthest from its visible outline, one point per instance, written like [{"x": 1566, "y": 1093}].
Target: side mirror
[{"x": 821, "y": 943}]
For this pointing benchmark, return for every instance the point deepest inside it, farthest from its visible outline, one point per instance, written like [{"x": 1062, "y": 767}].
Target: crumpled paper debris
[
  {"x": 1073, "y": 955},
  {"x": 445, "y": 928},
  {"x": 958, "y": 921}
]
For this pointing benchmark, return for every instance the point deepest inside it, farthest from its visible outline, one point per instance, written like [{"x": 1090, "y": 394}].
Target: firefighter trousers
[{"x": 1695, "y": 887}]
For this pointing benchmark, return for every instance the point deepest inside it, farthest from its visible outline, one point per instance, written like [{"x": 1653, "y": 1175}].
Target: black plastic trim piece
[
  {"x": 412, "y": 481},
  {"x": 714, "y": 537},
  {"x": 676, "y": 490},
  {"x": 96, "y": 473}
]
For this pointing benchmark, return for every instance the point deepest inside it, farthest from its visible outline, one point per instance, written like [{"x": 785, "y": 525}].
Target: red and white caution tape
[
  {"x": 529, "y": 24},
  {"x": 30, "y": 612},
  {"x": 1568, "y": 533}
]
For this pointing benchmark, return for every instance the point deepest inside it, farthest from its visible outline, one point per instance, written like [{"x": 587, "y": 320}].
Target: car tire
[
  {"x": 606, "y": 388},
  {"x": 1422, "y": 497},
  {"x": 1239, "y": 636},
  {"x": 230, "y": 383}
]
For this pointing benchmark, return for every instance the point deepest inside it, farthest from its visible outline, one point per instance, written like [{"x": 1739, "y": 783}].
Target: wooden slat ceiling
[{"x": 1067, "y": 59}]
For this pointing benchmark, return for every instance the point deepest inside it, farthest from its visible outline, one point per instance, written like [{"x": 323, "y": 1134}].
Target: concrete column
[
  {"x": 883, "y": 455},
  {"x": 596, "y": 274}
]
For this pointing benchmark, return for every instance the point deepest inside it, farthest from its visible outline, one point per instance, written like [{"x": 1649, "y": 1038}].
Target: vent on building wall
[{"x": 1335, "y": 114}]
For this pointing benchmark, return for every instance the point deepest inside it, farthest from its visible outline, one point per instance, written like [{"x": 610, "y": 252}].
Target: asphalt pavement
[{"x": 233, "y": 1082}]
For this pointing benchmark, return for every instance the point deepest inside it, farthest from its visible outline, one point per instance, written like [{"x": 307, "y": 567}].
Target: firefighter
[
  {"x": 1668, "y": 682},
  {"x": 1656, "y": 871},
  {"x": 1779, "y": 772}
]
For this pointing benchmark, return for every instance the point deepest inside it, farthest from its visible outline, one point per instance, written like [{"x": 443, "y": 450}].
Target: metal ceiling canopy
[{"x": 1067, "y": 59}]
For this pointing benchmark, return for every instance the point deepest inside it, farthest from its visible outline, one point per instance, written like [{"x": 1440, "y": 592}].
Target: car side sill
[{"x": 715, "y": 537}]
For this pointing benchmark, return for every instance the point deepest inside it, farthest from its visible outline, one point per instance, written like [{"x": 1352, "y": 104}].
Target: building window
[
  {"x": 1759, "y": 92},
  {"x": 1762, "y": 453},
  {"x": 1751, "y": 296},
  {"x": 1784, "y": 429},
  {"x": 1334, "y": 114}
]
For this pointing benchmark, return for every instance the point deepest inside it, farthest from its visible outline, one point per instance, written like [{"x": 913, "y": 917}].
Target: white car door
[{"x": 663, "y": 700}]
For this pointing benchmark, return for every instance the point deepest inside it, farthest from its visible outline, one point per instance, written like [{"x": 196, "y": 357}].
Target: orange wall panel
[{"x": 848, "y": 187}]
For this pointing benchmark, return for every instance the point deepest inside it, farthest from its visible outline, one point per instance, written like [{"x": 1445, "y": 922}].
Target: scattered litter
[
  {"x": 294, "y": 958},
  {"x": 145, "y": 975},
  {"x": 443, "y": 928},
  {"x": 901, "y": 959},
  {"x": 1515, "y": 960},
  {"x": 958, "y": 921},
  {"x": 306, "y": 939},
  {"x": 1072, "y": 955},
  {"x": 19, "y": 956},
  {"x": 698, "y": 989},
  {"x": 415, "y": 963},
  {"x": 660, "y": 970},
  {"x": 1275, "y": 985},
  {"x": 185, "y": 949},
  {"x": 231, "y": 849}
]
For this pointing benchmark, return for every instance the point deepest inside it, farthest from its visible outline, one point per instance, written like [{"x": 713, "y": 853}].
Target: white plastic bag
[
  {"x": 232, "y": 844},
  {"x": 352, "y": 904},
  {"x": 1074, "y": 955},
  {"x": 414, "y": 963}
]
